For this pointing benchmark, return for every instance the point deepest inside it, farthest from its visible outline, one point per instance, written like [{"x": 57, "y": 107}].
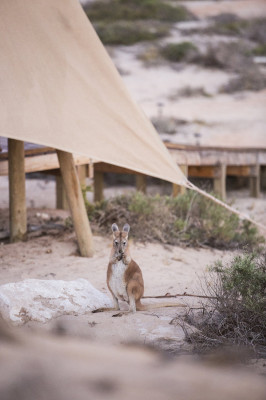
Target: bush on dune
[
  {"x": 235, "y": 313},
  {"x": 189, "y": 218},
  {"x": 130, "y": 10}
]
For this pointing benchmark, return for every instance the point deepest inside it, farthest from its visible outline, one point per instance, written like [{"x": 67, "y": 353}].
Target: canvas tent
[{"x": 59, "y": 88}]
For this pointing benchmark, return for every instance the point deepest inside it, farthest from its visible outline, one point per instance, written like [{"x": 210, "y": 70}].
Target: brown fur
[{"x": 131, "y": 279}]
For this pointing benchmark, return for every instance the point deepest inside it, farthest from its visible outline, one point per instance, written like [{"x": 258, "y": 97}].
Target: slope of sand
[{"x": 243, "y": 8}]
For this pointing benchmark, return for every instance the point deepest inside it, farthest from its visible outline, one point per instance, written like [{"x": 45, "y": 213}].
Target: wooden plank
[
  {"x": 204, "y": 171},
  {"x": 177, "y": 146},
  {"x": 241, "y": 170},
  {"x": 44, "y": 162},
  {"x": 213, "y": 157},
  {"x": 76, "y": 203},
  {"x": 31, "y": 152},
  {"x": 17, "y": 193},
  {"x": 105, "y": 167}
]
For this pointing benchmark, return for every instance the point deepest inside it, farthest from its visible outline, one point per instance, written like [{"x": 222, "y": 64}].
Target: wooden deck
[{"x": 201, "y": 162}]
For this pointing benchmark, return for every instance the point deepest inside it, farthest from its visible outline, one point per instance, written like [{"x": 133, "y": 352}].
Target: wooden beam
[
  {"x": 263, "y": 177},
  {"x": 105, "y": 167},
  {"x": 177, "y": 189},
  {"x": 31, "y": 152},
  {"x": 141, "y": 183},
  {"x": 254, "y": 181},
  {"x": 76, "y": 203},
  {"x": 61, "y": 198},
  {"x": 17, "y": 193},
  {"x": 219, "y": 182},
  {"x": 98, "y": 186},
  {"x": 210, "y": 171},
  {"x": 44, "y": 162},
  {"x": 238, "y": 170}
]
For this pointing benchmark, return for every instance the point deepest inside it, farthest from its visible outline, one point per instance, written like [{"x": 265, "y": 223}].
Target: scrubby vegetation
[
  {"x": 189, "y": 218},
  {"x": 260, "y": 50},
  {"x": 130, "y": 21},
  {"x": 176, "y": 52},
  {"x": 229, "y": 24},
  {"x": 131, "y": 10},
  {"x": 128, "y": 32},
  {"x": 235, "y": 313},
  {"x": 249, "y": 79}
]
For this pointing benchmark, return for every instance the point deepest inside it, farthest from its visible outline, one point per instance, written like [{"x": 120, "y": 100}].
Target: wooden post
[
  {"x": 141, "y": 183},
  {"x": 254, "y": 181},
  {"x": 219, "y": 182},
  {"x": 82, "y": 174},
  {"x": 177, "y": 189},
  {"x": 263, "y": 177},
  {"x": 17, "y": 192},
  {"x": 61, "y": 199},
  {"x": 76, "y": 203},
  {"x": 98, "y": 186}
]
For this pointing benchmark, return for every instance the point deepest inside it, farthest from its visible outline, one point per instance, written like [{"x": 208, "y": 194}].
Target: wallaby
[{"x": 124, "y": 276}]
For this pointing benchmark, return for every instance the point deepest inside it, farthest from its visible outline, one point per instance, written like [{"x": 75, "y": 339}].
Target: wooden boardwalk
[{"x": 215, "y": 163}]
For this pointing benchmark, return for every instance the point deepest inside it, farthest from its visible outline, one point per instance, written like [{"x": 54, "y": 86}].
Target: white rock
[{"x": 42, "y": 300}]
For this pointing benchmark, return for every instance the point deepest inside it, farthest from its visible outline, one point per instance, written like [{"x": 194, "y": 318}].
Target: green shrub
[
  {"x": 260, "y": 50},
  {"x": 141, "y": 204},
  {"x": 128, "y": 33},
  {"x": 245, "y": 280},
  {"x": 249, "y": 79},
  {"x": 131, "y": 10},
  {"x": 176, "y": 52},
  {"x": 235, "y": 312},
  {"x": 188, "y": 218}
]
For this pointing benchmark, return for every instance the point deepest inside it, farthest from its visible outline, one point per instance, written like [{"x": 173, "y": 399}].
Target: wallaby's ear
[
  {"x": 126, "y": 228},
  {"x": 115, "y": 228}
]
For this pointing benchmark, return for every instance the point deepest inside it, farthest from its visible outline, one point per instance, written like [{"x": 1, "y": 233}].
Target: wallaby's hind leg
[{"x": 134, "y": 292}]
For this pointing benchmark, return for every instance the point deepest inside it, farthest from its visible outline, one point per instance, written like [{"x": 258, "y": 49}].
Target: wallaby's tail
[{"x": 142, "y": 307}]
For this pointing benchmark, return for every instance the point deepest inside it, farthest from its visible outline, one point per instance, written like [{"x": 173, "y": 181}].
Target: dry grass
[
  {"x": 235, "y": 313},
  {"x": 190, "y": 219}
]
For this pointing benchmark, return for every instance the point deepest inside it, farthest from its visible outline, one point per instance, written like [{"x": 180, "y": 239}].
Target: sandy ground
[
  {"x": 242, "y": 8},
  {"x": 166, "y": 269},
  {"x": 219, "y": 119}
]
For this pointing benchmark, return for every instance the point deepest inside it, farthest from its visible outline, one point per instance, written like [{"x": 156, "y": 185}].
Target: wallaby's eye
[
  {"x": 116, "y": 242},
  {"x": 124, "y": 242}
]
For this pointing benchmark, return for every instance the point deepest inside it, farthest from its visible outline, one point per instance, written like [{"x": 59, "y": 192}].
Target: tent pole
[
  {"x": 17, "y": 192},
  {"x": 76, "y": 203}
]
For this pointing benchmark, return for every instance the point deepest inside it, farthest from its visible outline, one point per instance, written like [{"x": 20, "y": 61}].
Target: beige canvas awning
[{"x": 59, "y": 88}]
